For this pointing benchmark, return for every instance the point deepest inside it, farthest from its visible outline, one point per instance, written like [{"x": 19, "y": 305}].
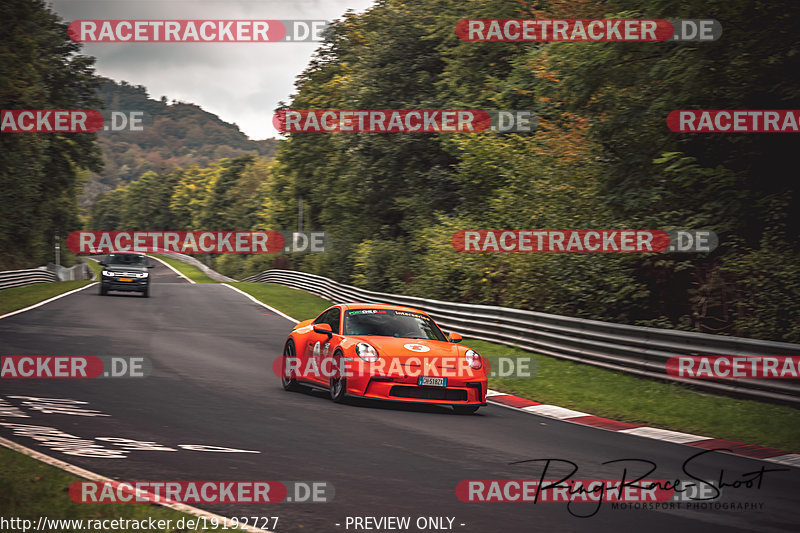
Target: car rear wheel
[
  {"x": 465, "y": 409},
  {"x": 288, "y": 381},
  {"x": 338, "y": 383}
]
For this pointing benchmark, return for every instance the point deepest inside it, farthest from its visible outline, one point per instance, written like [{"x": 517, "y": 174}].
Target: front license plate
[
  {"x": 432, "y": 382},
  {"x": 126, "y": 279}
]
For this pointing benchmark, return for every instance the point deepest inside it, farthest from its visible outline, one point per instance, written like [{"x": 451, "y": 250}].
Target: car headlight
[
  {"x": 108, "y": 273},
  {"x": 473, "y": 359},
  {"x": 367, "y": 352},
  {"x": 142, "y": 274}
]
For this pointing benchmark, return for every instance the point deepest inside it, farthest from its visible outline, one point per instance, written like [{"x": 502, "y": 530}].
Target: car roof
[{"x": 348, "y": 306}]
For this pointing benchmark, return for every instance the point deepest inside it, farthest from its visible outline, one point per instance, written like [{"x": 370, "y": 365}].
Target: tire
[
  {"x": 146, "y": 292},
  {"x": 103, "y": 290},
  {"x": 338, "y": 385},
  {"x": 289, "y": 383},
  {"x": 465, "y": 409}
]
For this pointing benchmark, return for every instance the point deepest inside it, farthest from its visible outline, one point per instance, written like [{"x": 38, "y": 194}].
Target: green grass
[
  {"x": 648, "y": 402},
  {"x": 30, "y": 489},
  {"x": 95, "y": 266},
  {"x": 603, "y": 392},
  {"x": 298, "y": 304},
  {"x": 189, "y": 271},
  {"x": 19, "y": 297}
]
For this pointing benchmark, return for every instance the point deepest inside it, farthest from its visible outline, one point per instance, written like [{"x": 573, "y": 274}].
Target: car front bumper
[
  {"x": 405, "y": 389},
  {"x": 137, "y": 285}
]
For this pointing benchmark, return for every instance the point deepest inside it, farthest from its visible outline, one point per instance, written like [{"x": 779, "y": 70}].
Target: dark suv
[{"x": 125, "y": 272}]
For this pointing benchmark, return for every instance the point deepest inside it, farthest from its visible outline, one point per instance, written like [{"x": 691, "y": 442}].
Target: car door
[
  {"x": 328, "y": 346},
  {"x": 320, "y": 346}
]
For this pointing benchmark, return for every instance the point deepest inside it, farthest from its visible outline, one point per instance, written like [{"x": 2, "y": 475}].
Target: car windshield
[
  {"x": 391, "y": 323},
  {"x": 125, "y": 259}
]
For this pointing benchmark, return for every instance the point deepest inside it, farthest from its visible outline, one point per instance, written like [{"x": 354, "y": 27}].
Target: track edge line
[{"x": 93, "y": 476}]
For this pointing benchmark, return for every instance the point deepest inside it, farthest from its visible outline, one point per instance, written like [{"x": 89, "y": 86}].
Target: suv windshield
[
  {"x": 125, "y": 259},
  {"x": 391, "y": 323}
]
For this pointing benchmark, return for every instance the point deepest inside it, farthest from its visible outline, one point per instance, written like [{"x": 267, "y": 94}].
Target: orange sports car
[{"x": 384, "y": 352}]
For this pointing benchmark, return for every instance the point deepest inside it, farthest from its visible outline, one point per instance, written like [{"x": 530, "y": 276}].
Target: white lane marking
[
  {"x": 553, "y": 411},
  {"x": 87, "y": 474},
  {"x": 664, "y": 434},
  {"x": 259, "y": 302},
  {"x": 791, "y": 459},
  {"x": 187, "y": 278},
  {"x": 54, "y": 298}
]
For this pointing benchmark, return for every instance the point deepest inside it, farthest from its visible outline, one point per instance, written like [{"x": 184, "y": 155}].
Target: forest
[
  {"x": 174, "y": 134},
  {"x": 601, "y": 157}
]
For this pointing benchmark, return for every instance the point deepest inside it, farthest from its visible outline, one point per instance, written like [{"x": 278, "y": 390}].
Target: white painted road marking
[
  {"x": 262, "y": 304},
  {"x": 187, "y": 278},
  {"x": 553, "y": 411},
  {"x": 664, "y": 434},
  {"x": 54, "y": 298},
  {"x": 87, "y": 474}
]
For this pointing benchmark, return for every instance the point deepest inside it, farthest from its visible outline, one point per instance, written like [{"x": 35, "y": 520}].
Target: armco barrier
[
  {"x": 76, "y": 272},
  {"x": 45, "y": 274},
  {"x": 635, "y": 350},
  {"x": 20, "y": 278}
]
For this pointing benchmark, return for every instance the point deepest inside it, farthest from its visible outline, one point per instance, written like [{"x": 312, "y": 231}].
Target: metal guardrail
[
  {"x": 79, "y": 271},
  {"x": 637, "y": 350},
  {"x": 45, "y": 274},
  {"x": 20, "y": 278}
]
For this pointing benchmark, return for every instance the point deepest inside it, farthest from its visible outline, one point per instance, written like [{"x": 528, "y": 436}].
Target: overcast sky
[{"x": 240, "y": 82}]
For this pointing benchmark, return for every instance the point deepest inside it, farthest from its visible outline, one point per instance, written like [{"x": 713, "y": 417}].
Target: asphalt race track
[{"x": 212, "y": 384}]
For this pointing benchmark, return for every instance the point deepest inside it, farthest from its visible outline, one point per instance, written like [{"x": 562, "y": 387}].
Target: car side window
[
  {"x": 333, "y": 319},
  {"x": 323, "y": 318},
  {"x": 330, "y": 317}
]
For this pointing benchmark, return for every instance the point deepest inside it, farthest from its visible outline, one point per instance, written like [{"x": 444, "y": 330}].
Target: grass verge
[
  {"x": 95, "y": 266},
  {"x": 648, "y": 402},
  {"x": 189, "y": 271},
  {"x": 298, "y": 304},
  {"x": 30, "y": 489},
  {"x": 19, "y": 297},
  {"x": 603, "y": 392}
]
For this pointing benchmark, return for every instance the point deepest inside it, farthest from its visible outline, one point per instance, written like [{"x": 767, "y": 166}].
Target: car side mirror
[
  {"x": 151, "y": 266},
  {"x": 454, "y": 337},
  {"x": 323, "y": 328}
]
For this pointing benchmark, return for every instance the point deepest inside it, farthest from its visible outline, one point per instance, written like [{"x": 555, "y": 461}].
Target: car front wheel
[
  {"x": 287, "y": 378},
  {"x": 465, "y": 409},
  {"x": 338, "y": 383}
]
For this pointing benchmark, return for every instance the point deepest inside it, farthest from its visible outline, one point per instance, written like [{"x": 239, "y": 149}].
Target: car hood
[
  {"x": 411, "y": 348},
  {"x": 125, "y": 268}
]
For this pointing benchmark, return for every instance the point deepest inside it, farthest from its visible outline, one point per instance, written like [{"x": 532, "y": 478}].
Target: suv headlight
[
  {"x": 367, "y": 352},
  {"x": 142, "y": 274},
  {"x": 108, "y": 273}
]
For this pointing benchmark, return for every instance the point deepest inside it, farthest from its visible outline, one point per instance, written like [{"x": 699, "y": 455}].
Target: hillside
[{"x": 175, "y": 134}]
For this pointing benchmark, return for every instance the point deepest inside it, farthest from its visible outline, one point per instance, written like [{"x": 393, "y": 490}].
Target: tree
[{"x": 39, "y": 184}]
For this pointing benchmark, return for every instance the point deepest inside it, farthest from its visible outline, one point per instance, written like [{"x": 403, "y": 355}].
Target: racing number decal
[{"x": 320, "y": 350}]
